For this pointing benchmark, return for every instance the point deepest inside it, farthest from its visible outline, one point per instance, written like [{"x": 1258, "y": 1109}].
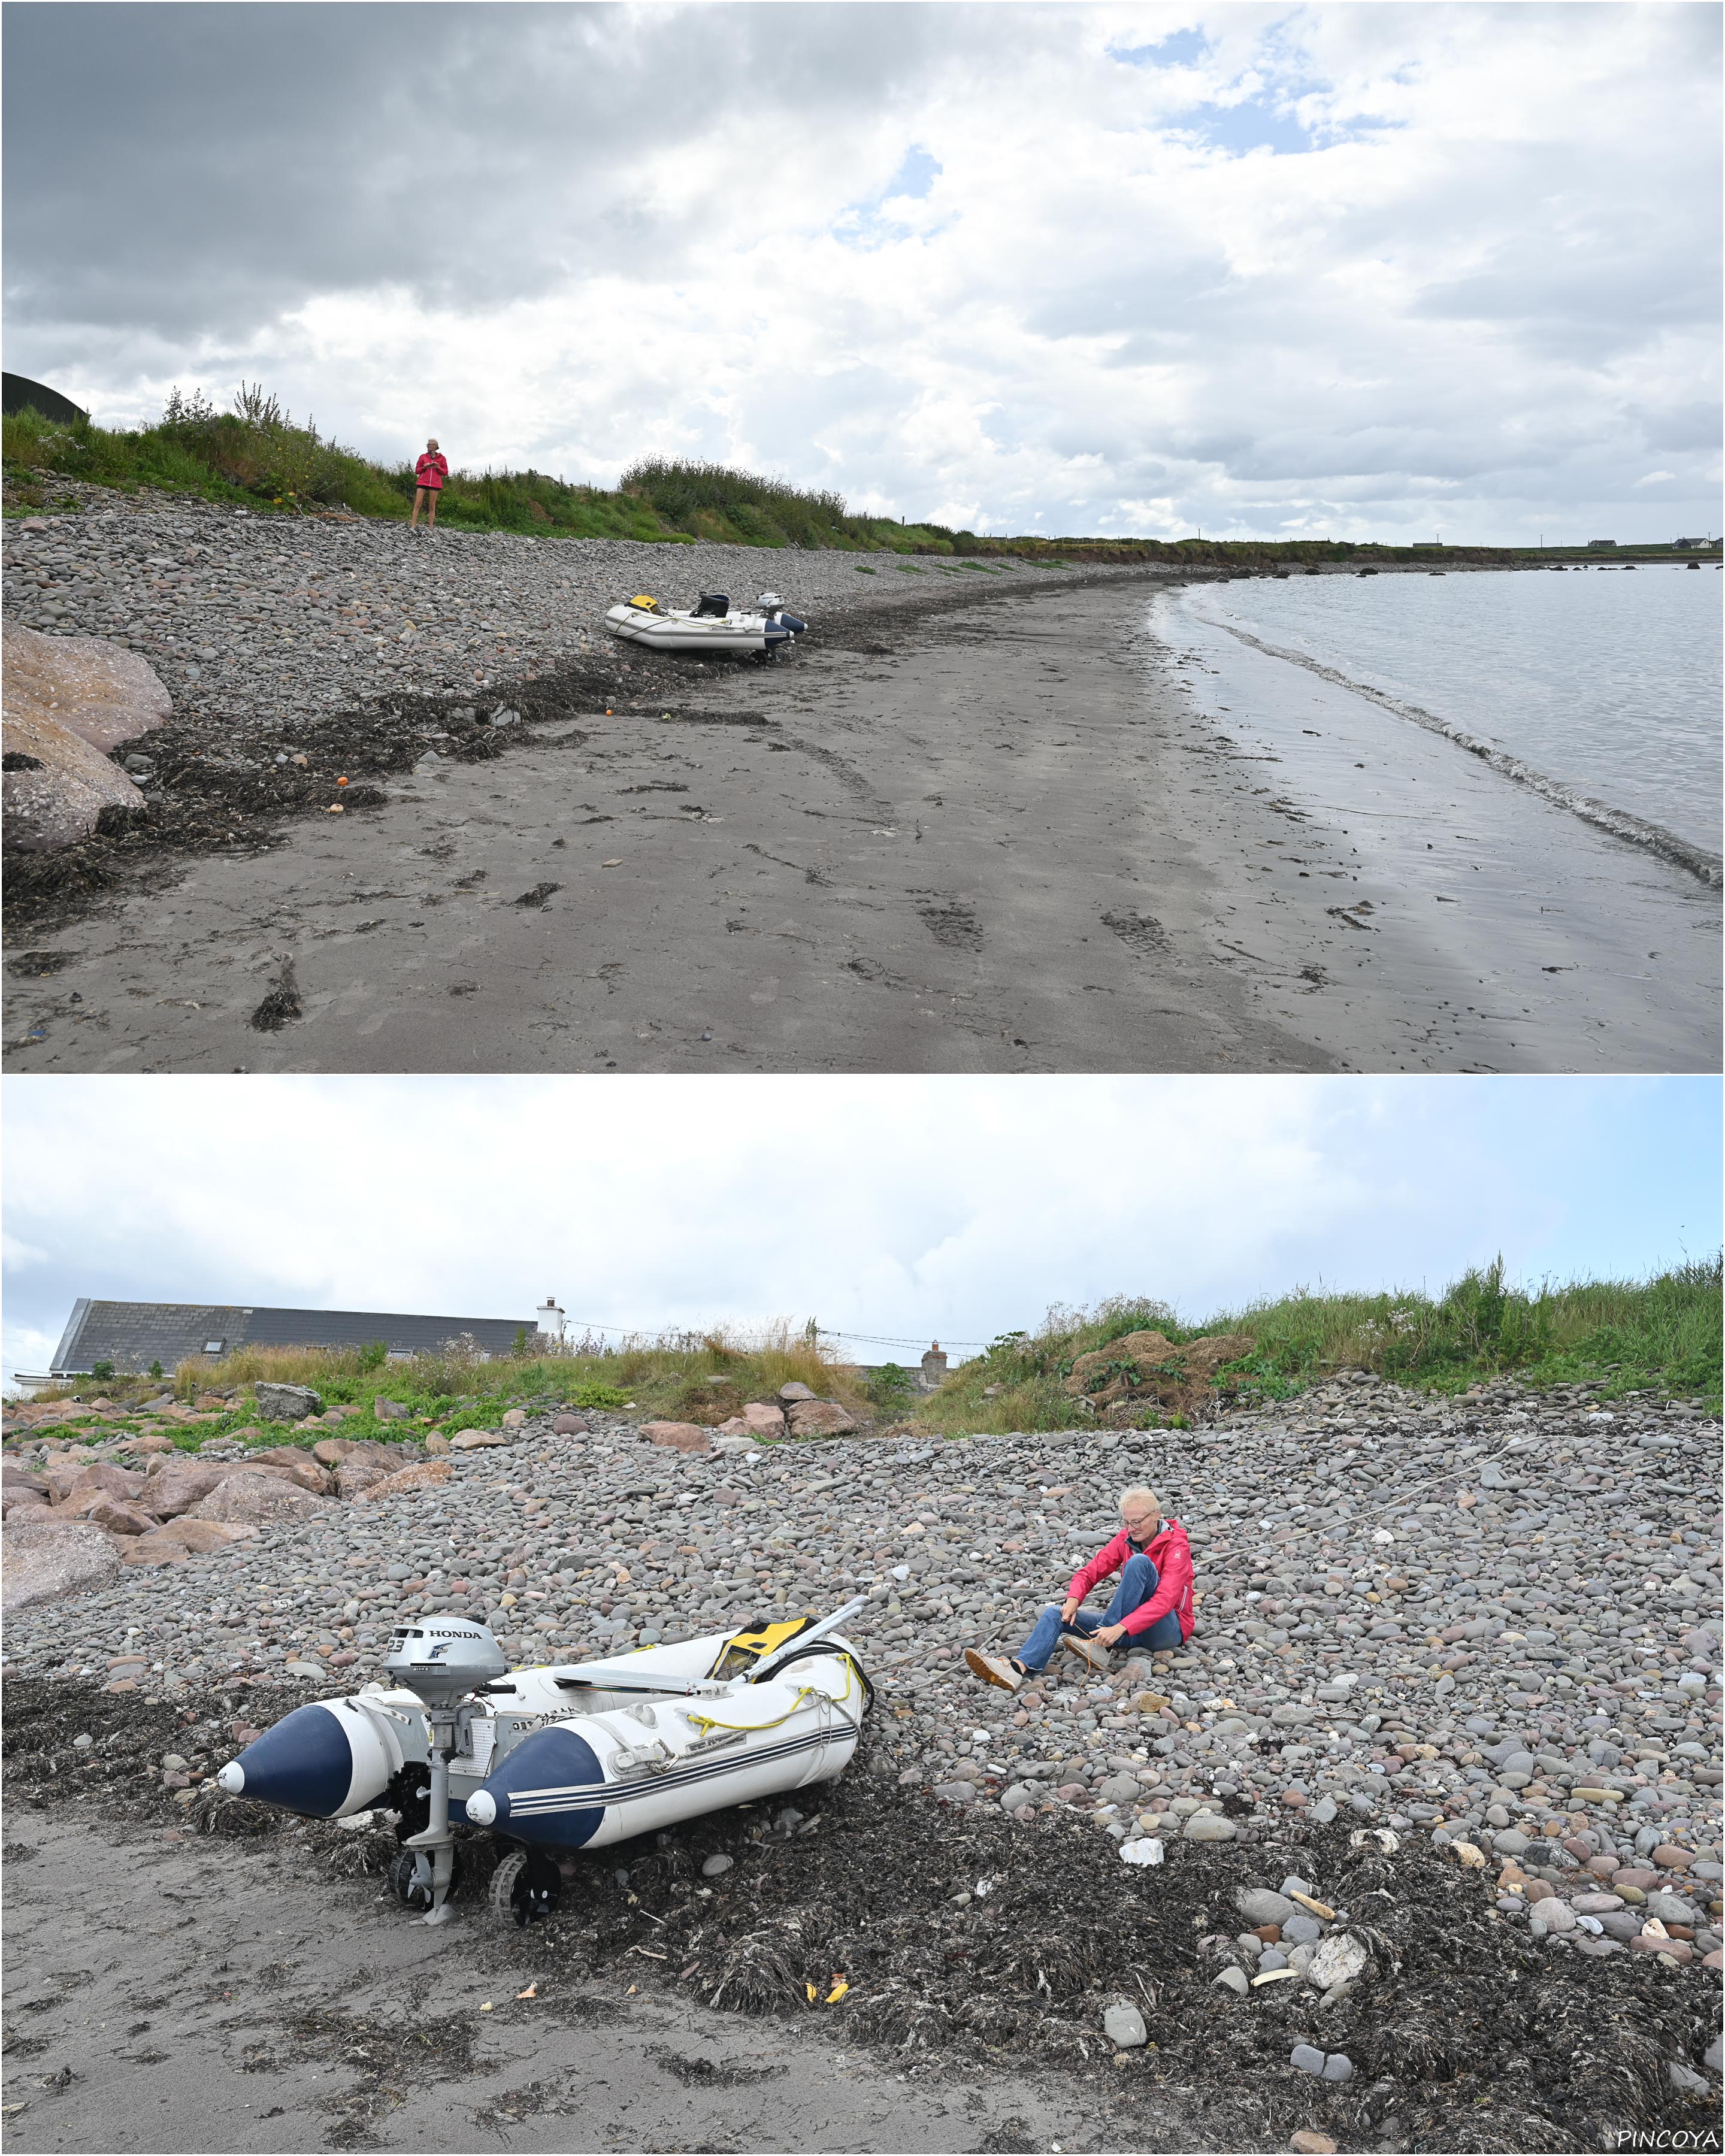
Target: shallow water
[
  {"x": 1608, "y": 681},
  {"x": 1501, "y": 930}
]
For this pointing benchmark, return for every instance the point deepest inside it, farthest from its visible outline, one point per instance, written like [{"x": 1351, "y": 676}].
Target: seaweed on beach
[
  {"x": 218, "y": 788},
  {"x": 953, "y": 1934}
]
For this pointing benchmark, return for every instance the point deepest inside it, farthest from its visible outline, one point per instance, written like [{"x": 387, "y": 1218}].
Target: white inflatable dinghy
[
  {"x": 564, "y": 1757},
  {"x": 710, "y": 624}
]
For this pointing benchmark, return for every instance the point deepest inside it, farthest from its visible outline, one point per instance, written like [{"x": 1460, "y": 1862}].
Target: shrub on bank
[{"x": 1662, "y": 1335}]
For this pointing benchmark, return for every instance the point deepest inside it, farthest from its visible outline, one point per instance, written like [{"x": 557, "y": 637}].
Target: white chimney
[{"x": 551, "y": 1319}]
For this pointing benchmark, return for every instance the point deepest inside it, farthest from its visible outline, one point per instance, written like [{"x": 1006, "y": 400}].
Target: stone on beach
[
  {"x": 48, "y": 1558},
  {"x": 817, "y": 1419},
  {"x": 426, "y": 1475},
  {"x": 680, "y": 1436},
  {"x": 56, "y": 786},
  {"x": 96, "y": 689},
  {"x": 247, "y": 1499},
  {"x": 282, "y": 1402}
]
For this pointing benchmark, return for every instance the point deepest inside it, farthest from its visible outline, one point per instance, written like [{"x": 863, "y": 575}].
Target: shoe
[
  {"x": 1086, "y": 1650},
  {"x": 993, "y": 1669}
]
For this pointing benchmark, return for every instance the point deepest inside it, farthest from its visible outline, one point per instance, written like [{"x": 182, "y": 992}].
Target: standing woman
[{"x": 429, "y": 474}]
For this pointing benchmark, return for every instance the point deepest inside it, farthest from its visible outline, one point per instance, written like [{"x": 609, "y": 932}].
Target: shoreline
[
  {"x": 1426, "y": 1688},
  {"x": 974, "y": 823},
  {"x": 1706, "y": 866}
]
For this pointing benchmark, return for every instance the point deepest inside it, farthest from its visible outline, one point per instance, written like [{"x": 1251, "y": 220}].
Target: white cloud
[
  {"x": 914, "y": 1207},
  {"x": 1035, "y": 267}
]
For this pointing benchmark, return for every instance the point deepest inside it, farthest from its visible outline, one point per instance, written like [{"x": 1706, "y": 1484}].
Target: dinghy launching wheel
[
  {"x": 526, "y": 1888},
  {"x": 409, "y": 1877}
]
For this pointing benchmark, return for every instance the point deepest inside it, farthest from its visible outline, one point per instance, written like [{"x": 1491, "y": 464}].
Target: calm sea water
[{"x": 1607, "y": 681}]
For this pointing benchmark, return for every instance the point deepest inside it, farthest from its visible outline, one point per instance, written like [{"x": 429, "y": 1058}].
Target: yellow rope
[{"x": 805, "y": 1692}]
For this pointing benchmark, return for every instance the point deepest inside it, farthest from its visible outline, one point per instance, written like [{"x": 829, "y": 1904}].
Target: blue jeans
[{"x": 1139, "y": 1578}]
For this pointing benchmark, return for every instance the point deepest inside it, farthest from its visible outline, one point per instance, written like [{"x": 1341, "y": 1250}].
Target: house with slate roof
[{"x": 131, "y": 1336}]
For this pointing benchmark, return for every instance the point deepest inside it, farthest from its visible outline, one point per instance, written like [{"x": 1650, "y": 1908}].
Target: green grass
[
  {"x": 1660, "y": 1335},
  {"x": 255, "y": 455},
  {"x": 702, "y": 1379}
]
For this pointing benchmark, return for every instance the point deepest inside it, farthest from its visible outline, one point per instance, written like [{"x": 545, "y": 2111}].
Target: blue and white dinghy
[
  {"x": 566, "y": 1758},
  {"x": 710, "y": 624}
]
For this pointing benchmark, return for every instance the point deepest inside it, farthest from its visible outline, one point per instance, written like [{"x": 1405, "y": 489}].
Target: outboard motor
[
  {"x": 773, "y": 606},
  {"x": 445, "y": 1660},
  {"x": 713, "y": 603}
]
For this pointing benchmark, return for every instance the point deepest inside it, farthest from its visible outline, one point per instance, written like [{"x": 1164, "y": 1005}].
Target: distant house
[
  {"x": 18, "y": 393},
  {"x": 1594, "y": 545},
  {"x": 1692, "y": 542},
  {"x": 131, "y": 1336}
]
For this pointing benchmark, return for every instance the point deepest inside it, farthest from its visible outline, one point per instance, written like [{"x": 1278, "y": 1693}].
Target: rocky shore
[
  {"x": 283, "y": 620},
  {"x": 1444, "y": 1745},
  {"x": 1490, "y": 1621}
]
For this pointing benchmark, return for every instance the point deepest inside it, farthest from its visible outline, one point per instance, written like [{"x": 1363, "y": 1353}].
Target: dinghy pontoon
[
  {"x": 710, "y": 624},
  {"x": 566, "y": 1758}
]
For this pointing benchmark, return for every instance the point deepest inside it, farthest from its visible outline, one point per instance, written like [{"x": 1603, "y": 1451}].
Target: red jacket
[
  {"x": 1170, "y": 1552},
  {"x": 431, "y": 470}
]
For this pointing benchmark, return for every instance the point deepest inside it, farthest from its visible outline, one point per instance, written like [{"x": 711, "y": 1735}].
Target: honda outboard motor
[{"x": 773, "y": 606}]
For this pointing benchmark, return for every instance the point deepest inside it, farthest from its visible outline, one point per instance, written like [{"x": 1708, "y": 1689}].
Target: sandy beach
[{"x": 955, "y": 833}]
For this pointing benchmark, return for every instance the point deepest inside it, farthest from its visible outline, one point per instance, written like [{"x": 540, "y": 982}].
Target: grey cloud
[{"x": 190, "y": 169}]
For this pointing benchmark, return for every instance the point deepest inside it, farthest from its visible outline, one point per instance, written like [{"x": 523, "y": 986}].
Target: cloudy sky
[
  {"x": 1370, "y": 269},
  {"x": 901, "y": 1208}
]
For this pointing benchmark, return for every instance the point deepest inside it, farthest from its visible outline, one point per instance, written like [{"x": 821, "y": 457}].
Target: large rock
[
  {"x": 819, "y": 1418},
  {"x": 180, "y": 1539},
  {"x": 250, "y": 1499},
  {"x": 56, "y": 786},
  {"x": 762, "y": 1419},
  {"x": 22, "y": 1497},
  {"x": 424, "y": 1475},
  {"x": 176, "y": 1484},
  {"x": 100, "y": 1480},
  {"x": 300, "y": 1467},
  {"x": 100, "y": 691},
  {"x": 1148, "y": 1369},
  {"x": 1262, "y": 1904},
  {"x": 1123, "y": 2024},
  {"x": 384, "y": 1410},
  {"x": 680, "y": 1436},
  {"x": 68, "y": 700},
  {"x": 46, "y": 1558},
  {"x": 286, "y": 1403},
  {"x": 116, "y": 1515}
]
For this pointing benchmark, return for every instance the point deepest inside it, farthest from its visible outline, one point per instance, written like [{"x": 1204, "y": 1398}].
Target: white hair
[{"x": 1144, "y": 1496}]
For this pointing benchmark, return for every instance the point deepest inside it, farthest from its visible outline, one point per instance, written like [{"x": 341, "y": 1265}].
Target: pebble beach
[{"x": 1489, "y": 1621}]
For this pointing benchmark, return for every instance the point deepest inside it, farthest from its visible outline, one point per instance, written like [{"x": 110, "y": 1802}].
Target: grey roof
[
  {"x": 17, "y": 391},
  {"x": 132, "y": 1335}
]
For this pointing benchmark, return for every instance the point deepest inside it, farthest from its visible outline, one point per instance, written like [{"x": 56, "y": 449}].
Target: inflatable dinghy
[
  {"x": 564, "y": 1757},
  {"x": 710, "y": 624}
]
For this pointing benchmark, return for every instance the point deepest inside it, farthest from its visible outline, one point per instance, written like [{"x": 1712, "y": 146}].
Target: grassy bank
[
  {"x": 1660, "y": 1335},
  {"x": 255, "y": 455},
  {"x": 685, "y": 1378}
]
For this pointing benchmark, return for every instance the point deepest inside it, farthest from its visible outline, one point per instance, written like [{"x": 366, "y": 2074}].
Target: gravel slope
[
  {"x": 1526, "y": 1585},
  {"x": 246, "y": 616},
  {"x": 1490, "y": 1619}
]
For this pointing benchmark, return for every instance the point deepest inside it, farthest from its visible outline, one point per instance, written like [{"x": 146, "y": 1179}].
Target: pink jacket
[
  {"x": 1170, "y": 1552},
  {"x": 431, "y": 470}
]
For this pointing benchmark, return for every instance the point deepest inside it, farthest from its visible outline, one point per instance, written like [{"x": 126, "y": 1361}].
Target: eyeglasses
[{"x": 1137, "y": 1519}]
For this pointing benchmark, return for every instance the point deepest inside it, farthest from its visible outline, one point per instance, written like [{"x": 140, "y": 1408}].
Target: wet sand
[
  {"x": 207, "y": 1994},
  {"x": 998, "y": 836}
]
